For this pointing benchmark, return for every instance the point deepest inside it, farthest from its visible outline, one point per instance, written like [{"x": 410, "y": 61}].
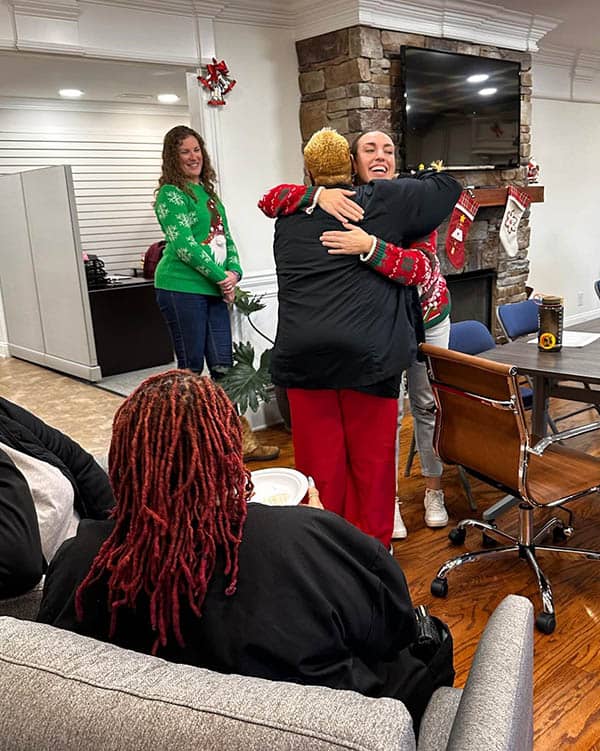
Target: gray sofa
[{"x": 63, "y": 692}]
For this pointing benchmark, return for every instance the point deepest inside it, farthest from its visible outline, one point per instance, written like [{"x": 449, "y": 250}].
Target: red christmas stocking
[
  {"x": 517, "y": 203},
  {"x": 458, "y": 229}
]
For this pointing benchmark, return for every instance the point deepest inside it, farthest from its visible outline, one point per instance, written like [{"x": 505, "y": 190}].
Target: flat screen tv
[{"x": 459, "y": 108}]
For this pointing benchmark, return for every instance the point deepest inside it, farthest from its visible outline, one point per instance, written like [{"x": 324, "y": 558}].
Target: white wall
[
  {"x": 259, "y": 132},
  {"x": 565, "y": 239}
]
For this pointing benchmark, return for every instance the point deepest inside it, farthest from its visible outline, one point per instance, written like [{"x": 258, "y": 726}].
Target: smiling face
[
  {"x": 190, "y": 158},
  {"x": 374, "y": 157}
]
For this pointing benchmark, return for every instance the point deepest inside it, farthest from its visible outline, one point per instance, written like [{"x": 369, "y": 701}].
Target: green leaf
[
  {"x": 245, "y": 385},
  {"x": 247, "y": 303}
]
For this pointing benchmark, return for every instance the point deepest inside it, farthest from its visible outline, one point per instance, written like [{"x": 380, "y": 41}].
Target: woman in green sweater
[{"x": 200, "y": 267}]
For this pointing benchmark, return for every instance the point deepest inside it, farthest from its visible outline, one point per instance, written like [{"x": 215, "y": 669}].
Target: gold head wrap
[{"x": 327, "y": 158}]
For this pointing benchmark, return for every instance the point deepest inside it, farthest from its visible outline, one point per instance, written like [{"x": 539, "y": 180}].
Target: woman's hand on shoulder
[
  {"x": 337, "y": 202},
  {"x": 353, "y": 241}
]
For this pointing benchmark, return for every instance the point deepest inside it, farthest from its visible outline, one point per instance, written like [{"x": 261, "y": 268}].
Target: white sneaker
[
  {"x": 399, "y": 532},
  {"x": 435, "y": 511}
]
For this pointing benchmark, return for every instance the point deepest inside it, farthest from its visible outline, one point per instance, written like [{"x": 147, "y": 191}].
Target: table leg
[{"x": 539, "y": 412}]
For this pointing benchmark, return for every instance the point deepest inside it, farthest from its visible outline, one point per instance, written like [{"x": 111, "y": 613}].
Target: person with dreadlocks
[
  {"x": 186, "y": 569},
  {"x": 200, "y": 268}
]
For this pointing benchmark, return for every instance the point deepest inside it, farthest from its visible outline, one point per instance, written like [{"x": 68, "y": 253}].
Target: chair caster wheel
[
  {"x": 457, "y": 535},
  {"x": 487, "y": 541},
  {"x": 439, "y": 587},
  {"x": 546, "y": 622},
  {"x": 558, "y": 534}
]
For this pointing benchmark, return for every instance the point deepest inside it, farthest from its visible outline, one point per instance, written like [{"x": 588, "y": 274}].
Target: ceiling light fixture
[
  {"x": 71, "y": 93},
  {"x": 167, "y": 98},
  {"x": 407, "y": 107},
  {"x": 487, "y": 92},
  {"x": 478, "y": 78}
]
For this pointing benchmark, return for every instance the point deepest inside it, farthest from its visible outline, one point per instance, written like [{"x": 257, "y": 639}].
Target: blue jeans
[{"x": 199, "y": 327}]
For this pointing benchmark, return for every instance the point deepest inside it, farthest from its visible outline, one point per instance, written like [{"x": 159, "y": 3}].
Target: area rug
[{"x": 125, "y": 383}]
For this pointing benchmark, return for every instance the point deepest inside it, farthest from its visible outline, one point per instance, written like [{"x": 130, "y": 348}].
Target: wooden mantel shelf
[{"x": 497, "y": 196}]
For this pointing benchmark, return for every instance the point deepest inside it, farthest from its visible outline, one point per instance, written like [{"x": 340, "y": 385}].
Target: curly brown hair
[{"x": 171, "y": 173}]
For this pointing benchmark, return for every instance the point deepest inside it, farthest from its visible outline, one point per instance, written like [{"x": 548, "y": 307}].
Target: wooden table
[{"x": 550, "y": 370}]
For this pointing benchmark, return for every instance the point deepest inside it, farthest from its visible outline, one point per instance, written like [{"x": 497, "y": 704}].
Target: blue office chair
[{"x": 520, "y": 318}]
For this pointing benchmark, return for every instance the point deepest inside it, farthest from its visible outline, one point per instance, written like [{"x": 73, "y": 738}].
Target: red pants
[{"x": 346, "y": 441}]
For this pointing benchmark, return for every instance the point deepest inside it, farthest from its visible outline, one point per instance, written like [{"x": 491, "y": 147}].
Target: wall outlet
[{"x": 580, "y": 299}]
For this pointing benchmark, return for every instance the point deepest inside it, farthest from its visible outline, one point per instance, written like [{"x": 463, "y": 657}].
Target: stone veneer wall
[{"x": 349, "y": 80}]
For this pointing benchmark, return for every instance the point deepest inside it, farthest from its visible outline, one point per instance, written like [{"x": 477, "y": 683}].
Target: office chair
[
  {"x": 480, "y": 424},
  {"x": 520, "y": 318},
  {"x": 597, "y": 287},
  {"x": 471, "y": 338}
]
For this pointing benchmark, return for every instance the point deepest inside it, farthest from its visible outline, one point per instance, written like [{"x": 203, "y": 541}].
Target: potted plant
[
  {"x": 248, "y": 385},
  {"x": 245, "y": 384}
]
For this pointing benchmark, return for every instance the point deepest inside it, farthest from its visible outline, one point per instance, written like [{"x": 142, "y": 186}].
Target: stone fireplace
[{"x": 349, "y": 80}]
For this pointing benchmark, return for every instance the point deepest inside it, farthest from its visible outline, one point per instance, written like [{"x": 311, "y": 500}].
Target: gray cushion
[
  {"x": 24, "y": 606},
  {"x": 60, "y": 691}
]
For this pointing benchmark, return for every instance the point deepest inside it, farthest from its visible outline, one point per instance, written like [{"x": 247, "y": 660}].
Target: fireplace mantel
[{"x": 497, "y": 196}]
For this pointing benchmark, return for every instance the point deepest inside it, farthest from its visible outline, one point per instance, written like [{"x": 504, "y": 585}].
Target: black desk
[
  {"x": 129, "y": 330},
  {"x": 549, "y": 371}
]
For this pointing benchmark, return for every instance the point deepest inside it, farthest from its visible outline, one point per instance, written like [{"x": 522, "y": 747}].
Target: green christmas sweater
[{"x": 199, "y": 247}]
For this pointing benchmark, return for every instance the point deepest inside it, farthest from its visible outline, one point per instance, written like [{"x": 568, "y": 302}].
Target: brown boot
[{"x": 253, "y": 450}]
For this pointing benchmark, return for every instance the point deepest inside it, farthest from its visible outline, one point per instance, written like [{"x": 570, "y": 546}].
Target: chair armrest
[
  {"x": 496, "y": 707},
  {"x": 564, "y": 435}
]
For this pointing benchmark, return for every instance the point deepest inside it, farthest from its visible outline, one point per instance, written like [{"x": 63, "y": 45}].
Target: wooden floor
[{"x": 567, "y": 663}]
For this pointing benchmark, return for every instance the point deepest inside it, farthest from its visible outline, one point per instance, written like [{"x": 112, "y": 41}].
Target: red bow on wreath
[{"x": 217, "y": 81}]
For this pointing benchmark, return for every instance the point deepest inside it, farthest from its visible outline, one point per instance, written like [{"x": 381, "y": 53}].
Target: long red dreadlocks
[{"x": 181, "y": 488}]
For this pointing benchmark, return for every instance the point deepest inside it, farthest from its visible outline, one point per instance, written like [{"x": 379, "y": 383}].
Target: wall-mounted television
[{"x": 462, "y": 109}]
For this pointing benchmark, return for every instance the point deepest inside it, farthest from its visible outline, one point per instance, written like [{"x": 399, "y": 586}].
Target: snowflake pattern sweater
[
  {"x": 419, "y": 264},
  {"x": 199, "y": 247}
]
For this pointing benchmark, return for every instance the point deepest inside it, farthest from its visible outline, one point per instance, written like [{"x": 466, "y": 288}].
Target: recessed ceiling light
[
  {"x": 71, "y": 93},
  {"x": 407, "y": 107},
  {"x": 167, "y": 98},
  {"x": 487, "y": 92},
  {"x": 478, "y": 78}
]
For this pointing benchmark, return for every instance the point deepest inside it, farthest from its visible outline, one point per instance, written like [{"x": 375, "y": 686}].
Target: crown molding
[
  {"x": 52, "y": 47},
  {"x": 467, "y": 20},
  {"x": 140, "y": 56},
  {"x": 64, "y": 105},
  {"x": 252, "y": 12},
  {"x": 584, "y": 65},
  {"x": 314, "y": 17},
  {"x": 61, "y": 10},
  {"x": 471, "y": 21}
]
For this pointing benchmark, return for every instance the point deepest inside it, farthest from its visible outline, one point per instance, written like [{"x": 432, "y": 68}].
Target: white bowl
[{"x": 278, "y": 486}]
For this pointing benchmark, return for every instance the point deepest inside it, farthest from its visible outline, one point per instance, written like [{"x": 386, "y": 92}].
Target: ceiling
[{"x": 24, "y": 74}]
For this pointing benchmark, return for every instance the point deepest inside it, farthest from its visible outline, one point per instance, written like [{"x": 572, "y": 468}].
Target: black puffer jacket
[{"x": 25, "y": 432}]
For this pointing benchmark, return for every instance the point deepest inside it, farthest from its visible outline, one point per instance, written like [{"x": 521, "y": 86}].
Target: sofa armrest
[{"x": 496, "y": 707}]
